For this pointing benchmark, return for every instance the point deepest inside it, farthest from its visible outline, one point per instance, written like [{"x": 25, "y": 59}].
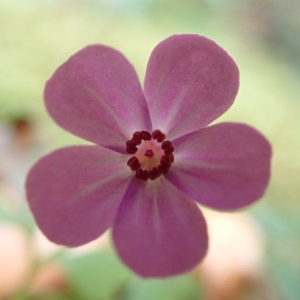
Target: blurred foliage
[
  {"x": 98, "y": 275},
  {"x": 262, "y": 36},
  {"x": 177, "y": 288}
]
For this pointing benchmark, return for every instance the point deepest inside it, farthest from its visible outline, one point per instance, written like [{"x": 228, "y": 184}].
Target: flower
[{"x": 154, "y": 159}]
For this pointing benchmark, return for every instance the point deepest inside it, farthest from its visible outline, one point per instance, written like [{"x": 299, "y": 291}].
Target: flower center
[{"x": 153, "y": 155}]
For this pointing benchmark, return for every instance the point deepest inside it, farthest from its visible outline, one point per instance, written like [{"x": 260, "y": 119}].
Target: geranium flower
[{"x": 155, "y": 158}]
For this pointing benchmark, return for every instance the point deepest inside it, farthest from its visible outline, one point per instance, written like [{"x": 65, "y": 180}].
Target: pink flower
[{"x": 155, "y": 158}]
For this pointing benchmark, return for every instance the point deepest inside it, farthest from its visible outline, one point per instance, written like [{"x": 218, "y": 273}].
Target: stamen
[
  {"x": 168, "y": 147},
  {"x": 133, "y": 163},
  {"x": 131, "y": 147},
  {"x": 164, "y": 166},
  {"x": 142, "y": 174},
  {"x": 145, "y": 135},
  {"x": 158, "y": 135},
  {"x": 168, "y": 157},
  {"x": 154, "y": 173},
  {"x": 136, "y": 137},
  {"x": 153, "y": 155},
  {"x": 137, "y": 134}
]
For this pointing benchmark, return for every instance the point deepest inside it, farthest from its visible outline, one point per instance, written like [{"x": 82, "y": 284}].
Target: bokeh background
[{"x": 254, "y": 254}]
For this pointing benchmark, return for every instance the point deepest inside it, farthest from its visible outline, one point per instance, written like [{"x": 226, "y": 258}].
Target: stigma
[{"x": 153, "y": 155}]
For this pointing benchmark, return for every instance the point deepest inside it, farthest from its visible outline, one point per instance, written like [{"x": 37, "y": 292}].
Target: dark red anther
[
  {"x": 158, "y": 135},
  {"x": 167, "y": 147},
  {"x": 168, "y": 157},
  {"x": 171, "y": 157},
  {"x": 133, "y": 163},
  {"x": 131, "y": 147},
  {"x": 137, "y": 134},
  {"x": 169, "y": 150},
  {"x": 131, "y": 143},
  {"x": 131, "y": 150},
  {"x": 145, "y": 135},
  {"x": 166, "y": 144},
  {"x": 137, "y": 140},
  {"x": 163, "y": 169},
  {"x": 164, "y": 165},
  {"x": 142, "y": 174},
  {"x": 136, "y": 137},
  {"x": 154, "y": 173}
]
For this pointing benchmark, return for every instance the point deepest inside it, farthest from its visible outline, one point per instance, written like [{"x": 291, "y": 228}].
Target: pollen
[{"x": 153, "y": 156}]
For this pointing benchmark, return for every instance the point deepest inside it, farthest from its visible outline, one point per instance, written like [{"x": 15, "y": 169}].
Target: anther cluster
[{"x": 166, "y": 159}]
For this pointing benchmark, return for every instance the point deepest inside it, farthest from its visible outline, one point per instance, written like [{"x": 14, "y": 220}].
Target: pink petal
[
  {"x": 190, "y": 81},
  {"x": 158, "y": 232},
  {"x": 74, "y": 192},
  {"x": 97, "y": 96},
  {"x": 225, "y": 166}
]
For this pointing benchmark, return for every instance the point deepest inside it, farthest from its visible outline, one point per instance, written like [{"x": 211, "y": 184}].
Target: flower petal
[
  {"x": 225, "y": 166},
  {"x": 96, "y": 95},
  {"x": 158, "y": 232},
  {"x": 74, "y": 192},
  {"x": 190, "y": 81}
]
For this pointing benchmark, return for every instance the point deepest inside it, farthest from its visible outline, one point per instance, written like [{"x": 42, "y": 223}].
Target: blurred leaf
[
  {"x": 18, "y": 215},
  {"x": 279, "y": 222},
  {"x": 285, "y": 276},
  {"x": 183, "y": 287},
  {"x": 282, "y": 227},
  {"x": 97, "y": 275}
]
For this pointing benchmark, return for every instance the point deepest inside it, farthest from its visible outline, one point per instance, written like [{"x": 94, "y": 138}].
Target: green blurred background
[{"x": 263, "y": 37}]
